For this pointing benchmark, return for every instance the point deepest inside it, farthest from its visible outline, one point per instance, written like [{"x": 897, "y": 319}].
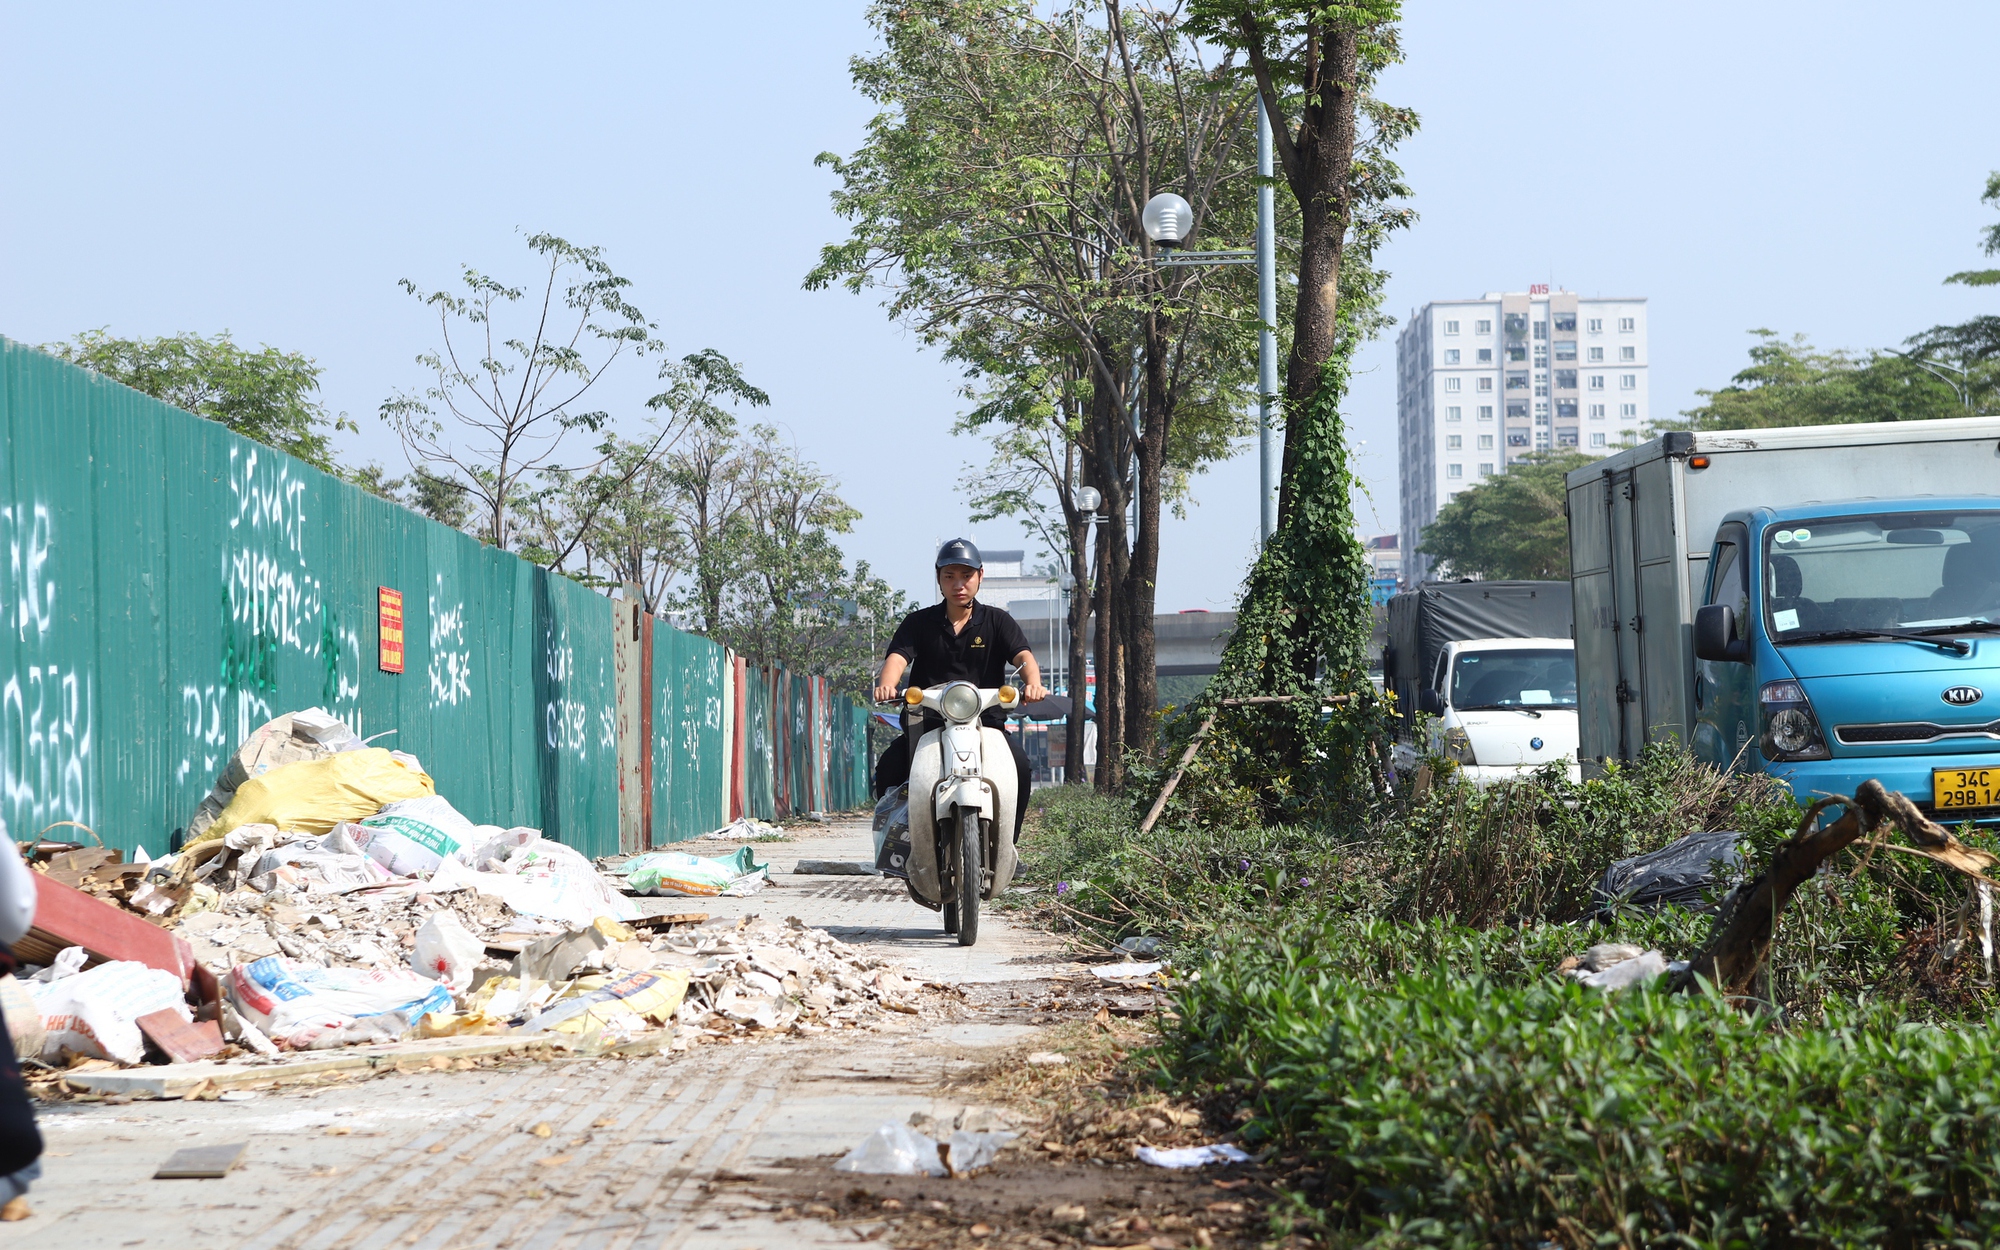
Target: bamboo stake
[{"x": 1194, "y": 744}]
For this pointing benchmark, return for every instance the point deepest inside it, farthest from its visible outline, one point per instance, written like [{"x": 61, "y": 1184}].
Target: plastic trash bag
[
  {"x": 892, "y": 833},
  {"x": 1681, "y": 872},
  {"x": 96, "y": 1012},
  {"x": 294, "y": 1003},
  {"x": 894, "y": 1150},
  {"x": 1627, "y": 972},
  {"x": 315, "y": 795},
  {"x": 968, "y": 1151},
  {"x": 24, "y": 1019},
  {"x": 677, "y": 872},
  {"x": 413, "y": 836},
  {"x": 1191, "y": 1156},
  {"x": 446, "y": 951},
  {"x": 627, "y": 1004}
]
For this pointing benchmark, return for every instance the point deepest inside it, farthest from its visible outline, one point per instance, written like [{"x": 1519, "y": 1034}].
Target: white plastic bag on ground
[
  {"x": 24, "y": 1019},
  {"x": 446, "y": 951},
  {"x": 412, "y": 836},
  {"x": 492, "y": 844},
  {"x": 677, "y": 872},
  {"x": 894, "y": 1150},
  {"x": 96, "y": 1012},
  {"x": 1627, "y": 972},
  {"x": 1191, "y": 1156},
  {"x": 338, "y": 861},
  {"x": 542, "y": 879},
  {"x": 295, "y": 1004}
]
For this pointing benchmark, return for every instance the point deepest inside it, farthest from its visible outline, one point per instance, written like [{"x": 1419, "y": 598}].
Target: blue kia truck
[{"x": 1819, "y": 603}]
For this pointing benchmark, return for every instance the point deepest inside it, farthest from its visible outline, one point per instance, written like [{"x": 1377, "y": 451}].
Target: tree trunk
[
  {"x": 1323, "y": 163},
  {"x": 1141, "y": 585},
  {"x": 1079, "y": 647}
]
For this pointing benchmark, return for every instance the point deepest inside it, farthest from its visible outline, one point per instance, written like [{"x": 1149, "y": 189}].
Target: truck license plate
[{"x": 1962, "y": 789}]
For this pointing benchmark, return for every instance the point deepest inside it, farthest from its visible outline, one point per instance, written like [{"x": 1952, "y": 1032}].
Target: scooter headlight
[{"x": 960, "y": 701}]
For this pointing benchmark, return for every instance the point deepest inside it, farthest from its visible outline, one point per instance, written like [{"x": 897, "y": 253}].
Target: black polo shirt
[{"x": 978, "y": 653}]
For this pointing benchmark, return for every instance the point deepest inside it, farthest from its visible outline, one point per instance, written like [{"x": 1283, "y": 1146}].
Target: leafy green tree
[
  {"x": 1790, "y": 382},
  {"x": 997, "y": 199},
  {"x": 1305, "y": 618},
  {"x": 1990, "y": 240},
  {"x": 267, "y": 395},
  {"x": 1968, "y": 354},
  {"x": 1511, "y": 526}
]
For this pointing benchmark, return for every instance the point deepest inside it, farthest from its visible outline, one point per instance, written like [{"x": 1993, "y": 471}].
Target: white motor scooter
[{"x": 963, "y": 791}]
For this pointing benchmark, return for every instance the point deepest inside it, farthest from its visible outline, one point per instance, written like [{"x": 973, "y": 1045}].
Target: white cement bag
[
  {"x": 446, "y": 951},
  {"x": 96, "y": 1012},
  {"x": 297, "y": 1004},
  {"x": 412, "y": 836}
]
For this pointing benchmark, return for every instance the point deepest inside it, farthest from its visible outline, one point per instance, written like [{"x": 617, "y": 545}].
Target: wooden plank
[{"x": 177, "y": 1039}]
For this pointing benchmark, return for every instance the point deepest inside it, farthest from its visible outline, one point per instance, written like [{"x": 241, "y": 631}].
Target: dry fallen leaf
[
  {"x": 338, "y": 1130},
  {"x": 543, "y": 1130},
  {"x": 552, "y": 1161},
  {"x": 605, "y": 1121},
  {"x": 436, "y": 1150},
  {"x": 981, "y": 1230},
  {"x": 1070, "y": 1215},
  {"x": 1226, "y": 1208}
]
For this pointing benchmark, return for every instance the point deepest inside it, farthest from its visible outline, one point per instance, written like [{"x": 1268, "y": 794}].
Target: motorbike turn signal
[
  {"x": 913, "y": 696},
  {"x": 1008, "y": 694}
]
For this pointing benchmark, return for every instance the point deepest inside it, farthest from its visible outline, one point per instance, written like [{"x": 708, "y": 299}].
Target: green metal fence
[{"x": 169, "y": 586}]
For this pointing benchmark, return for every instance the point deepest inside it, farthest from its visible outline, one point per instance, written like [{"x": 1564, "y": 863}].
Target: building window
[
  {"x": 1517, "y": 381},
  {"x": 1566, "y": 349},
  {"x": 1452, "y": 414},
  {"x": 1596, "y": 355},
  {"x": 1565, "y": 379},
  {"x": 1517, "y": 411},
  {"x": 1482, "y": 327},
  {"x": 1596, "y": 381},
  {"x": 1517, "y": 438},
  {"x": 1628, "y": 353},
  {"x": 1627, "y": 324},
  {"x": 1454, "y": 442},
  {"x": 1595, "y": 325},
  {"x": 1628, "y": 381},
  {"x": 1629, "y": 411},
  {"x": 1597, "y": 412},
  {"x": 1541, "y": 439},
  {"x": 1451, "y": 327},
  {"x": 1486, "y": 412},
  {"x": 1541, "y": 414},
  {"x": 1515, "y": 325},
  {"x": 1597, "y": 439},
  {"x": 1486, "y": 469},
  {"x": 1454, "y": 470},
  {"x": 1451, "y": 355},
  {"x": 1486, "y": 384},
  {"x": 1451, "y": 384},
  {"x": 1565, "y": 410},
  {"x": 1566, "y": 322},
  {"x": 1541, "y": 356},
  {"x": 1541, "y": 329},
  {"x": 1542, "y": 385},
  {"x": 1517, "y": 353},
  {"x": 1565, "y": 438},
  {"x": 1485, "y": 355},
  {"x": 1486, "y": 442}
]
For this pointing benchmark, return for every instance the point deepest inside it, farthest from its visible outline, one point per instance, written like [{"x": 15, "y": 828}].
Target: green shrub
[{"x": 1460, "y": 1106}]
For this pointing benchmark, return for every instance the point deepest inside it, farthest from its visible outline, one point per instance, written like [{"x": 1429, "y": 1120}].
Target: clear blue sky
[{"x": 274, "y": 170}]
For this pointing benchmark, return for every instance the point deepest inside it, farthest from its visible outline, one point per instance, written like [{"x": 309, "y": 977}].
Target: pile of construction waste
[{"x": 328, "y": 896}]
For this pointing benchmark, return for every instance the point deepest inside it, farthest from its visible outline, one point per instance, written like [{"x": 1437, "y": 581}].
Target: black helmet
[{"x": 959, "y": 551}]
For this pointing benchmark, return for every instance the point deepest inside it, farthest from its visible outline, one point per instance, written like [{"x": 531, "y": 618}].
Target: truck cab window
[{"x": 1728, "y": 582}]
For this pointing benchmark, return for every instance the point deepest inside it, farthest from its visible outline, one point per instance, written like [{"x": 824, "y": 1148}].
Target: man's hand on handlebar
[
  {"x": 885, "y": 692},
  {"x": 1034, "y": 693}
]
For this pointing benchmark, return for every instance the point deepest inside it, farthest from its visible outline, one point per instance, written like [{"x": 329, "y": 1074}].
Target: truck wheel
[{"x": 969, "y": 875}]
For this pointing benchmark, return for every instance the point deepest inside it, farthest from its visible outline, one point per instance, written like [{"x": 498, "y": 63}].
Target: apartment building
[{"x": 1480, "y": 383}]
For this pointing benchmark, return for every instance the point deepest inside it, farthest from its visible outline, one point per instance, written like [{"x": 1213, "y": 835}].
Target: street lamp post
[{"x": 1168, "y": 220}]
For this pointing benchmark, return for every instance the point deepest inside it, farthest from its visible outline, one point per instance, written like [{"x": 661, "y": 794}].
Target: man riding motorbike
[{"x": 958, "y": 639}]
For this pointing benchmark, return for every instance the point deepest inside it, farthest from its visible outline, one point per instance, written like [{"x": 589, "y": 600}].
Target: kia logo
[{"x": 1963, "y": 696}]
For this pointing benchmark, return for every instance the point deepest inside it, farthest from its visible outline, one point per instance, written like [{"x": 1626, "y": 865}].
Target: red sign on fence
[{"x": 389, "y": 628}]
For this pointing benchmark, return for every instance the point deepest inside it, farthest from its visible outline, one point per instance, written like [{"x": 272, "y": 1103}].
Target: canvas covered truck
[
  {"x": 1489, "y": 665},
  {"x": 1820, "y": 603}
]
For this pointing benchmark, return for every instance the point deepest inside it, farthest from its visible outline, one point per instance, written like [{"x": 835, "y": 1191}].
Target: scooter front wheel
[{"x": 968, "y": 876}]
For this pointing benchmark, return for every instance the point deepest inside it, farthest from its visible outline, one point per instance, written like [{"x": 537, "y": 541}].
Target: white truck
[
  {"x": 1492, "y": 663},
  {"x": 1842, "y": 576}
]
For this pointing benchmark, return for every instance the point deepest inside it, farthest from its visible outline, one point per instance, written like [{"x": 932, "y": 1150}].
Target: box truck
[
  {"x": 1492, "y": 662},
  {"x": 1819, "y": 603}
]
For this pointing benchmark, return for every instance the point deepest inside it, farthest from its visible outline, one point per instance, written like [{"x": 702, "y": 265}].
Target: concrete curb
[{"x": 176, "y": 1080}]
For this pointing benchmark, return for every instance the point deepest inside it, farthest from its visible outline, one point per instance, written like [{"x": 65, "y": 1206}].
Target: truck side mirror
[
  {"x": 1715, "y": 635},
  {"x": 1430, "y": 702}
]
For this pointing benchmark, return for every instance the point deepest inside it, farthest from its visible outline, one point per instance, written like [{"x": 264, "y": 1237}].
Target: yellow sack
[
  {"x": 632, "y": 998},
  {"x": 316, "y": 795}
]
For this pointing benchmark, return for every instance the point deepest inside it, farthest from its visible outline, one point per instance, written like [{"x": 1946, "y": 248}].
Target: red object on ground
[
  {"x": 66, "y": 916},
  {"x": 177, "y": 1039}
]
